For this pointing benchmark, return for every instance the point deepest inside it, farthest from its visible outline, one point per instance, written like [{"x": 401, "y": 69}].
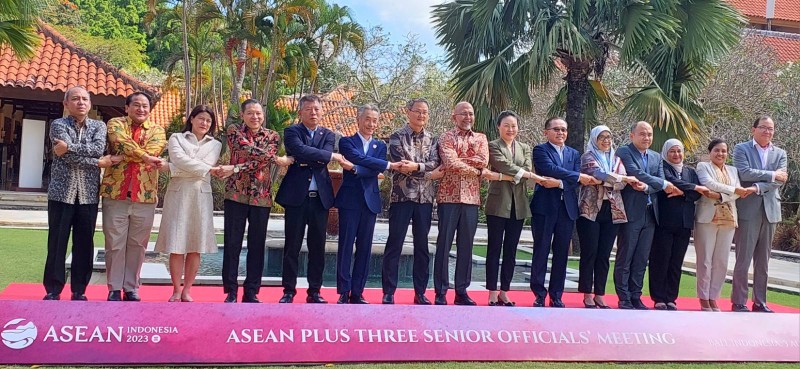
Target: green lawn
[
  {"x": 688, "y": 289},
  {"x": 480, "y": 250},
  {"x": 23, "y": 252}
]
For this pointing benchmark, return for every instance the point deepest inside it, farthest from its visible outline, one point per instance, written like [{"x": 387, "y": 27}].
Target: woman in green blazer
[{"x": 507, "y": 204}]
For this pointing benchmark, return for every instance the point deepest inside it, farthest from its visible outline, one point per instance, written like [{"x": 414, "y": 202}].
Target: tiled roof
[
  {"x": 786, "y": 45},
  {"x": 784, "y": 9},
  {"x": 59, "y": 64},
  {"x": 339, "y": 112},
  {"x": 171, "y": 105}
]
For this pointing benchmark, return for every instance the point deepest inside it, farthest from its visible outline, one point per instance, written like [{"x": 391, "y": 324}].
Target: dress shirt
[
  {"x": 75, "y": 175},
  {"x": 422, "y": 148},
  {"x": 254, "y": 153},
  {"x": 462, "y": 152}
]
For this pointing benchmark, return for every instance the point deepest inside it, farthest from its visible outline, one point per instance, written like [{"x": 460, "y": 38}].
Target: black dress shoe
[
  {"x": 52, "y": 296},
  {"x": 315, "y": 298},
  {"x": 343, "y": 299},
  {"x": 758, "y": 308},
  {"x": 114, "y": 296},
  {"x": 131, "y": 296},
  {"x": 358, "y": 299},
  {"x": 250, "y": 298},
  {"x": 77, "y": 296},
  {"x": 230, "y": 298},
  {"x": 420, "y": 299},
  {"x": 463, "y": 299},
  {"x": 539, "y": 302},
  {"x": 440, "y": 299},
  {"x": 671, "y": 306},
  {"x": 556, "y": 303},
  {"x": 388, "y": 299},
  {"x": 287, "y": 298},
  {"x": 638, "y": 304},
  {"x": 625, "y": 305}
]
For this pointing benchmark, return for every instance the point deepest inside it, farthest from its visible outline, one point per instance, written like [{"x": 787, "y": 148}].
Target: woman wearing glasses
[{"x": 602, "y": 211}]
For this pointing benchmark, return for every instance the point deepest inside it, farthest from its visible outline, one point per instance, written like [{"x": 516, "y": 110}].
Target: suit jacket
[
  {"x": 498, "y": 201},
  {"x": 748, "y": 163},
  {"x": 678, "y": 211},
  {"x": 546, "y": 201},
  {"x": 653, "y": 176},
  {"x": 311, "y": 158},
  {"x": 360, "y": 185},
  {"x": 706, "y": 208}
]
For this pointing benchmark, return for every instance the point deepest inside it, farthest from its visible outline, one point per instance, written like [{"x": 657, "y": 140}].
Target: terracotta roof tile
[
  {"x": 784, "y": 9},
  {"x": 786, "y": 45},
  {"x": 171, "y": 105},
  {"x": 59, "y": 64}
]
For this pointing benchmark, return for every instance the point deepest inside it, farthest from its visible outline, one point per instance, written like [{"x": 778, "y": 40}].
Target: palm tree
[
  {"x": 500, "y": 50},
  {"x": 333, "y": 29},
  {"x": 18, "y": 25}
]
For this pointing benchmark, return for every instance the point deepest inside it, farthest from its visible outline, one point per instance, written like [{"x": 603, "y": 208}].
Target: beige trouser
[
  {"x": 713, "y": 245},
  {"x": 127, "y": 227}
]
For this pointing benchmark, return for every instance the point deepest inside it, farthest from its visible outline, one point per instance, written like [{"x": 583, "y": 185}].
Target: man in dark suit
[
  {"x": 641, "y": 206},
  {"x": 359, "y": 201},
  {"x": 554, "y": 210},
  {"x": 306, "y": 193}
]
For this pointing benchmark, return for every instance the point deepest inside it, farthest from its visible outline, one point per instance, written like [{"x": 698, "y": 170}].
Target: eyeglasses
[
  {"x": 465, "y": 115},
  {"x": 604, "y": 138},
  {"x": 766, "y": 129},
  {"x": 420, "y": 112},
  {"x": 558, "y": 130}
]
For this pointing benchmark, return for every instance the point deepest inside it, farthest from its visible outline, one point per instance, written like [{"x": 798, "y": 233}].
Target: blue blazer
[
  {"x": 636, "y": 201},
  {"x": 360, "y": 185},
  {"x": 311, "y": 158},
  {"x": 546, "y": 201}
]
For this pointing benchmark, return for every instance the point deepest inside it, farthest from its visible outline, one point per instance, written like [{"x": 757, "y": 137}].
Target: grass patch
[
  {"x": 688, "y": 288},
  {"x": 480, "y": 250}
]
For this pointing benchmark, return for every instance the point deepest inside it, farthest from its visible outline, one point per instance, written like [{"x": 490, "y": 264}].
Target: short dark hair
[
  {"x": 550, "y": 120},
  {"x": 129, "y": 98},
  {"x": 247, "y": 103},
  {"x": 760, "y": 119},
  {"x": 507, "y": 113},
  {"x": 307, "y": 99},
  {"x": 410, "y": 103},
  {"x": 715, "y": 142},
  {"x": 195, "y": 112}
]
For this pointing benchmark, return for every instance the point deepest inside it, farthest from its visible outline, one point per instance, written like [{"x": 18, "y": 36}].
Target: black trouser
[
  {"x": 61, "y": 219},
  {"x": 461, "y": 218},
  {"x": 497, "y": 228},
  {"x": 237, "y": 215},
  {"x": 666, "y": 260},
  {"x": 633, "y": 251},
  {"x": 311, "y": 213},
  {"x": 597, "y": 240},
  {"x": 400, "y": 214},
  {"x": 550, "y": 232}
]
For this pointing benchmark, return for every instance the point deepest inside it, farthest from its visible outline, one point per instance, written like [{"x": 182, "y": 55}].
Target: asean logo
[{"x": 18, "y": 334}]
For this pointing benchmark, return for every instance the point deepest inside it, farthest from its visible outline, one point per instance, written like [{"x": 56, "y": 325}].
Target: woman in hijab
[
  {"x": 676, "y": 215},
  {"x": 601, "y": 211}
]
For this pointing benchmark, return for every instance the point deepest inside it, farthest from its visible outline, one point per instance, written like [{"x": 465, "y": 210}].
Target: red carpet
[{"x": 29, "y": 291}]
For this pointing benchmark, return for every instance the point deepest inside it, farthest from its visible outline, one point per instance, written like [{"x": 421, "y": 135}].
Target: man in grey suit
[
  {"x": 641, "y": 206},
  {"x": 762, "y": 164}
]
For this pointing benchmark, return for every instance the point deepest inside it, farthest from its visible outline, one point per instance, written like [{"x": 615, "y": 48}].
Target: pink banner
[{"x": 65, "y": 332}]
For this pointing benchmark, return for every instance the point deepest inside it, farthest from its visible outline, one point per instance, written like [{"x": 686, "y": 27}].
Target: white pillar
[{"x": 31, "y": 160}]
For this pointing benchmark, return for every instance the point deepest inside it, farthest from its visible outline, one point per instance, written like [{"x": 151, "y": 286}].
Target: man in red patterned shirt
[{"x": 464, "y": 156}]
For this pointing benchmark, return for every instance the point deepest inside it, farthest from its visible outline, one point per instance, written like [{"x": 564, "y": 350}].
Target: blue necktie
[
  {"x": 644, "y": 161},
  {"x": 313, "y": 185}
]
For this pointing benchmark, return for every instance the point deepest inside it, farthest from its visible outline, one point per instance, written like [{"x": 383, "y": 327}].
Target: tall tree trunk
[
  {"x": 577, "y": 93},
  {"x": 214, "y": 94},
  {"x": 273, "y": 58},
  {"x": 239, "y": 68},
  {"x": 187, "y": 76},
  {"x": 318, "y": 60}
]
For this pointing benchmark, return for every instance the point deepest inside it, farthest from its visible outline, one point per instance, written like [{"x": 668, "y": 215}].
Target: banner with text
[{"x": 65, "y": 332}]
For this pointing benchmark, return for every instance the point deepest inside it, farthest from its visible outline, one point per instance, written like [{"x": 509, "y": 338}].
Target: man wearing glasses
[
  {"x": 554, "y": 210},
  {"x": 465, "y": 155},
  {"x": 762, "y": 164},
  {"x": 412, "y": 197}
]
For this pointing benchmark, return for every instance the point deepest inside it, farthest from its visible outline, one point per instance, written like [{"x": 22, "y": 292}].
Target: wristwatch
[{"x": 236, "y": 168}]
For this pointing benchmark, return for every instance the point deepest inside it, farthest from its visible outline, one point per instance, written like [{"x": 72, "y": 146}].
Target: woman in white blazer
[
  {"x": 187, "y": 220},
  {"x": 715, "y": 222}
]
